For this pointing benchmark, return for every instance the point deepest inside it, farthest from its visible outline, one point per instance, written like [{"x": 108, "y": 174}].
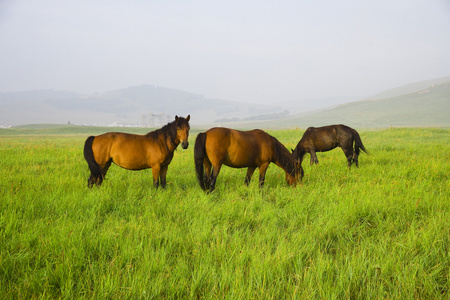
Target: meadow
[{"x": 378, "y": 231}]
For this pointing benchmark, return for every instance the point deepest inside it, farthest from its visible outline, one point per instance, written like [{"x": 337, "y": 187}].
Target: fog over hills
[
  {"x": 417, "y": 107},
  {"x": 130, "y": 106},
  {"x": 410, "y": 88},
  {"x": 424, "y": 103}
]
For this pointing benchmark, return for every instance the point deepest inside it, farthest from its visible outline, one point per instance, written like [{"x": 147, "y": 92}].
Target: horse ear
[
  {"x": 176, "y": 118},
  {"x": 188, "y": 118}
]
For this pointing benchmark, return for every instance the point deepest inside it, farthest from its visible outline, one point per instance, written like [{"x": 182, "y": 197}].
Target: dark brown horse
[
  {"x": 136, "y": 152},
  {"x": 326, "y": 138},
  {"x": 241, "y": 149}
]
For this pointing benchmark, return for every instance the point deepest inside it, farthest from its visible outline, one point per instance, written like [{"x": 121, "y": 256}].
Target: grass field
[{"x": 380, "y": 231}]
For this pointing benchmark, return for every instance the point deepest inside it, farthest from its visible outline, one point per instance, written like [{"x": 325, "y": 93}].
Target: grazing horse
[
  {"x": 241, "y": 149},
  {"x": 136, "y": 152},
  {"x": 326, "y": 138}
]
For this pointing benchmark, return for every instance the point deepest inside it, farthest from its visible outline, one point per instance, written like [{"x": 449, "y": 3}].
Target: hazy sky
[{"x": 252, "y": 51}]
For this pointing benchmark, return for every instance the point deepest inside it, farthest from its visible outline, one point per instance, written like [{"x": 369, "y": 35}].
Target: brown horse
[
  {"x": 326, "y": 138},
  {"x": 241, "y": 149},
  {"x": 136, "y": 152}
]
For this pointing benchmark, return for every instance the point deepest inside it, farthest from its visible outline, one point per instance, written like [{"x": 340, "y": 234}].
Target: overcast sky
[{"x": 251, "y": 51}]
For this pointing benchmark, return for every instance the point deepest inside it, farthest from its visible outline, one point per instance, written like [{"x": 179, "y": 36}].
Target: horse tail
[
  {"x": 358, "y": 142},
  {"x": 89, "y": 157},
  {"x": 199, "y": 156}
]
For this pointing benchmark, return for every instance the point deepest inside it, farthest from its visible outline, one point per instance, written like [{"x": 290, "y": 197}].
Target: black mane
[
  {"x": 284, "y": 157},
  {"x": 170, "y": 130}
]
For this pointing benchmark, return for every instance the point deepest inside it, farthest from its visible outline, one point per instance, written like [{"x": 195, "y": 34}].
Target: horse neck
[
  {"x": 302, "y": 155},
  {"x": 171, "y": 143},
  {"x": 283, "y": 158},
  {"x": 299, "y": 152},
  {"x": 170, "y": 140}
]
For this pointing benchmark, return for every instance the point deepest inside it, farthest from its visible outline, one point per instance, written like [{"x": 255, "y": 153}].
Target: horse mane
[
  {"x": 170, "y": 130},
  {"x": 283, "y": 156}
]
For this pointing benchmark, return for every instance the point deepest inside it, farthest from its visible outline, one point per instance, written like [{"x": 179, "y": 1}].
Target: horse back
[
  {"x": 130, "y": 151},
  {"x": 319, "y": 139},
  {"x": 325, "y": 138},
  {"x": 344, "y": 134},
  {"x": 237, "y": 148}
]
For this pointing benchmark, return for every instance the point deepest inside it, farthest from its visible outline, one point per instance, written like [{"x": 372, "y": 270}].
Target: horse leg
[
  {"x": 249, "y": 175},
  {"x": 97, "y": 180},
  {"x": 262, "y": 173},
  {"x": 155, "y": 172},
  {"x": 207, "y": 175},
  {"x": 214, "y": 174},
  {"x": 91, "y": 181},
  {"x": 314, "y": 159},
  {"x": 162, "y": 175},
  {"x": 355, "y": 158},
  {"x": 348, "y": 151},
  {"x": 104, "y": 169}
]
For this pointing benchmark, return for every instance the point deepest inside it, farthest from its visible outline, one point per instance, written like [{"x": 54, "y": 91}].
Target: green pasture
[{"x": 378, "y": 231}]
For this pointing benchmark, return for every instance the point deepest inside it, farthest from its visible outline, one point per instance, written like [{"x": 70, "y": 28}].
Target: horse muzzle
[{"x": 185, "y": 145}]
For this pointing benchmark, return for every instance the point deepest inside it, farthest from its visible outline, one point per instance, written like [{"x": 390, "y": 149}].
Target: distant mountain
[
  {"x": 424, "y": 103},
  {"x": 427, "y": 106},
  {"x": 125, "y": 106}
]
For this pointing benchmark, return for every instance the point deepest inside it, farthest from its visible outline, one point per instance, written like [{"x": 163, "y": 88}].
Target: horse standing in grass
[
  {"x": 136, "y": 152},
  {"x": 241, "y": 149},
  {"x": 326, "y": 138}
]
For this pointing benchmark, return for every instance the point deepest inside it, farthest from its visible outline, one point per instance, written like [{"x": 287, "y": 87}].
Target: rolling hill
[
  {"x": 424, "y": 103},
  {"x": 121, "y": 107},
  {"x": 409, "y": 88},
  {"x": 427, "y": 107}
]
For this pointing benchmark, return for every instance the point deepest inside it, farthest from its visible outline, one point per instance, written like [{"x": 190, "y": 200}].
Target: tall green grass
[{"x": 380, "y": 231}]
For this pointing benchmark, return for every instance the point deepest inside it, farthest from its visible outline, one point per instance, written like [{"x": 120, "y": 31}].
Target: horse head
[{"x": 183, "y": 130}]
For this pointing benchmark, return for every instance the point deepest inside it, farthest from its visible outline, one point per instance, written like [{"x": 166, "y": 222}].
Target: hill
[
  {"x": 424, "y": 103},
  {"x": 428, "y": 107},
  {"x": 409, "y": 88},
  {"x": 132, "y": 106}
]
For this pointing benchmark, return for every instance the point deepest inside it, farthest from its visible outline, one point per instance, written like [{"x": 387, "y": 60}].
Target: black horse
[{"x": 321, "y": 139}]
